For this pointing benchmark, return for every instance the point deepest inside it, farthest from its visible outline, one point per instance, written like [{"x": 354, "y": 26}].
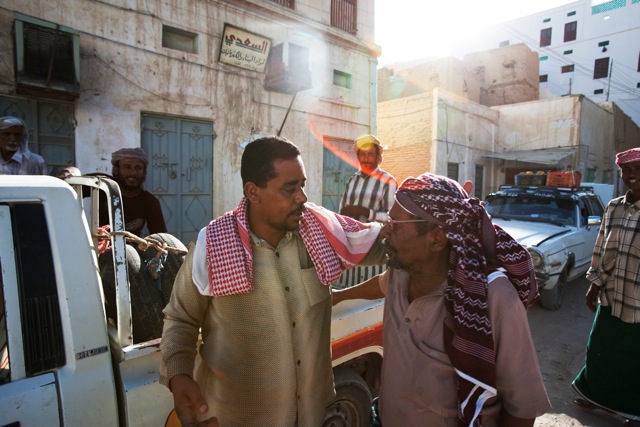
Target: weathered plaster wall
[
  {"x": 125, "y": 72},
  {"x": 506, "y": 75},
  {"x": 465, "y": 133},
  {"x": 405, "y": 125}
]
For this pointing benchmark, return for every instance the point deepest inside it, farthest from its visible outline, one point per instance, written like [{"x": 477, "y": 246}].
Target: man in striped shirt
[{"x": 370, "y": 191}]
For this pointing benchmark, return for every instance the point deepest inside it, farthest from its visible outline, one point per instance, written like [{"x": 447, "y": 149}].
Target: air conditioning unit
[
  {"x": 47, "y": 58},
  {"x": 288, "y": 69}
]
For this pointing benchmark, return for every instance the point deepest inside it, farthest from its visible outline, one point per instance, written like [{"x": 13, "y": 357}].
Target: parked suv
[{"x": 558, "y": 226}]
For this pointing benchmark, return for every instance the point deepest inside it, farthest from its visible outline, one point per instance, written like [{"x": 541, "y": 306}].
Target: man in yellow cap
[{"x": 369, "y": 193}]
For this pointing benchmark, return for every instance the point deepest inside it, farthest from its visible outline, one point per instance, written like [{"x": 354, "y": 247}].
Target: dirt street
[{"x": 560, "y": 338}]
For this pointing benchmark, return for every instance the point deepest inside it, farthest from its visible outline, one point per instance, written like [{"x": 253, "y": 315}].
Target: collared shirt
[
  {"x": 375, "y": 192},
  {"x": 23, "y": 164},
  {"x": 266, "y": 354},
  {"x": 419, "y": 382},
  {"x": 615, "y": 264}
]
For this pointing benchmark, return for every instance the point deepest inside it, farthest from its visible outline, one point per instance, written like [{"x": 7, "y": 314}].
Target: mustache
[{"x": 299, "y": 210}]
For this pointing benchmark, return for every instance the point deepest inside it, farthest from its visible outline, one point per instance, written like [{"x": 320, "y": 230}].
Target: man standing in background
[
  {"x": 369, "y": 193},
  {"x": 14, "y": 147},
  {"x": 611, "y": 374}
]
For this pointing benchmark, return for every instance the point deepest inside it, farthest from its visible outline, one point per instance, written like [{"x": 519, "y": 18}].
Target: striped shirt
[
  {"x": 375, "y": 192},
  {"x": 615, "y": 265}
]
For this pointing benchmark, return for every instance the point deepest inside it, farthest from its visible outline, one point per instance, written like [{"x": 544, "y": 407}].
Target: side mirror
[{"x": 594, "y": 220}]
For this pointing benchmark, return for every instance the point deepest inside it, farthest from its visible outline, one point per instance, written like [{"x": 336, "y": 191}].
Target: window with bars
[
  {"x": 344, "y": 15},
  {"x": 570, "y": 31},
  {"x": 47, "y": 56},
  {"x": 291, "y": 4},
  {"x": 567, "y": 68},
  {"x": 453, "y": 171},
  {"x": 545, "y": 37}
]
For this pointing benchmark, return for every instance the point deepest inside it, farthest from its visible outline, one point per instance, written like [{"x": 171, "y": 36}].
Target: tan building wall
[
  {"x": 507, "y": 75},
  {"x": 523, "y": 133},
  {"x": 405, "y": 125},
  {"x": 402, "y": 80},
  {"x": 428, "y": 131}
]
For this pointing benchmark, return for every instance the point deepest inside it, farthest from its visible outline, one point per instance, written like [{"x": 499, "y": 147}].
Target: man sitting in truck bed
[
  {"x": 256, "y": 285},
  {"x": 129, "y": 169}
]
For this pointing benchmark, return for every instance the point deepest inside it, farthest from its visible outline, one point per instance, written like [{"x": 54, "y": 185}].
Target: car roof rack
[{"x": 545, "y": 187}]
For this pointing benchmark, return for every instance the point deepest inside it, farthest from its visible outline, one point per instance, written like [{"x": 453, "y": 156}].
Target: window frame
[
  {"x": 570, "y": 34},
  {"x": 545, "y": 36},
  {"x": 601, "y": 65}
]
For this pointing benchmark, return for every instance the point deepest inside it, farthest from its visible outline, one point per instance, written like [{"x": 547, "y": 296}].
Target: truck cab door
[{"x": 28, "y": 390}]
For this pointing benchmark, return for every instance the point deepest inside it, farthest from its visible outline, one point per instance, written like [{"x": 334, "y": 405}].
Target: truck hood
[{"x": 530, "y": 233}]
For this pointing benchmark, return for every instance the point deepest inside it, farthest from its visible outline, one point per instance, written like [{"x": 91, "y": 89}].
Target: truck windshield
[{"x": 539, "y": 209}]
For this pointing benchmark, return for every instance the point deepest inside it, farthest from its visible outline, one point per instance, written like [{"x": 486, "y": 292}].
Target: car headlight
[{"x": 537, "y": 258}]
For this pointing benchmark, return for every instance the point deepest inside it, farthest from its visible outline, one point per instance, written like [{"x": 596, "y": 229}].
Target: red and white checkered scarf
[
  {"x": 335, "y": 243},
  {"x": 477, "y": 247}
]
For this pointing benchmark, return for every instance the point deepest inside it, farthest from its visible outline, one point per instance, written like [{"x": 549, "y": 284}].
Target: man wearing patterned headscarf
[
  {"x": 610, "y": 378},
  {"x": 16, "y": 159},
  {"x": 129, "y": 169},
  {"x": 457, "y": 345}
]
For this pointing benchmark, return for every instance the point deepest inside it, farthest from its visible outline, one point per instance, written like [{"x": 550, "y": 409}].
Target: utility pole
[
  {"x": 609, "y": 84},
  {"x": 570, "y": 80}
]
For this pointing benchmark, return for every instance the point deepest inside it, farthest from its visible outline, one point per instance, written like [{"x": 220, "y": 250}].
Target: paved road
[{"x": 560, "y": 338}]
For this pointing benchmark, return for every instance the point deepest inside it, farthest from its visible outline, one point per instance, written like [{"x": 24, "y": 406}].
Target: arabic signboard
[{"x": 244, "y": 49}]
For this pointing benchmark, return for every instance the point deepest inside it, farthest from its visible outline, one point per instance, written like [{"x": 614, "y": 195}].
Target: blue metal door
[
  {"x": 180, "y": 171},
  {"x": 338, "y": 162}
]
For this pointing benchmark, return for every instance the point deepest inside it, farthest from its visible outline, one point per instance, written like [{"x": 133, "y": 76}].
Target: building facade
[
  {"x": 452, "y": 136},
  {"x": 189, "y": 81},
  {"x": 586, "y": 47}
]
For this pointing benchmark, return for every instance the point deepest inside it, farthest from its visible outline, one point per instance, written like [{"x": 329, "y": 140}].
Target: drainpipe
[{"x": 373, "y": 96}]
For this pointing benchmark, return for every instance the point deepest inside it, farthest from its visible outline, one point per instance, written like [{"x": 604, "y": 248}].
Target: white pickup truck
[{"x": 64, "y": 363}]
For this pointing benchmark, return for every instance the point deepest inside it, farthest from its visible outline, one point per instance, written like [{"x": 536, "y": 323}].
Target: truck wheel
[
  {"x": 551, "y": 299},
  {"x": 146, "y": 300},
  {"x": 352, "y": 405},
  {"x": 146, "y": 307},
  {"x": 107, "y": 276},
  {"x": 171, "y": 265}
]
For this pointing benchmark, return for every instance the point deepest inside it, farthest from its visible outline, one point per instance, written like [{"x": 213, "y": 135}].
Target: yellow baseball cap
[{"x": 365, "y": 142}]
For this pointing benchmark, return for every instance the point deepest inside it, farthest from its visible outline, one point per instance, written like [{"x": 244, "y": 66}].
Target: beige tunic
[
  {"x": 418, "y": 380},
  {"x": 267, "y": 359}
]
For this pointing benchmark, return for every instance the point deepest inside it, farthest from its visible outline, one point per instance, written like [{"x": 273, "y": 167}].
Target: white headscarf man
[{"x": 15, "y": 157}]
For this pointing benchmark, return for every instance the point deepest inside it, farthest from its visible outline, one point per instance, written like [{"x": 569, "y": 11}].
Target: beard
[
  {"x": 123, "y": 183},
  {"x": 289, "y": 224},
  {"x": 392, "y": 260}
]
